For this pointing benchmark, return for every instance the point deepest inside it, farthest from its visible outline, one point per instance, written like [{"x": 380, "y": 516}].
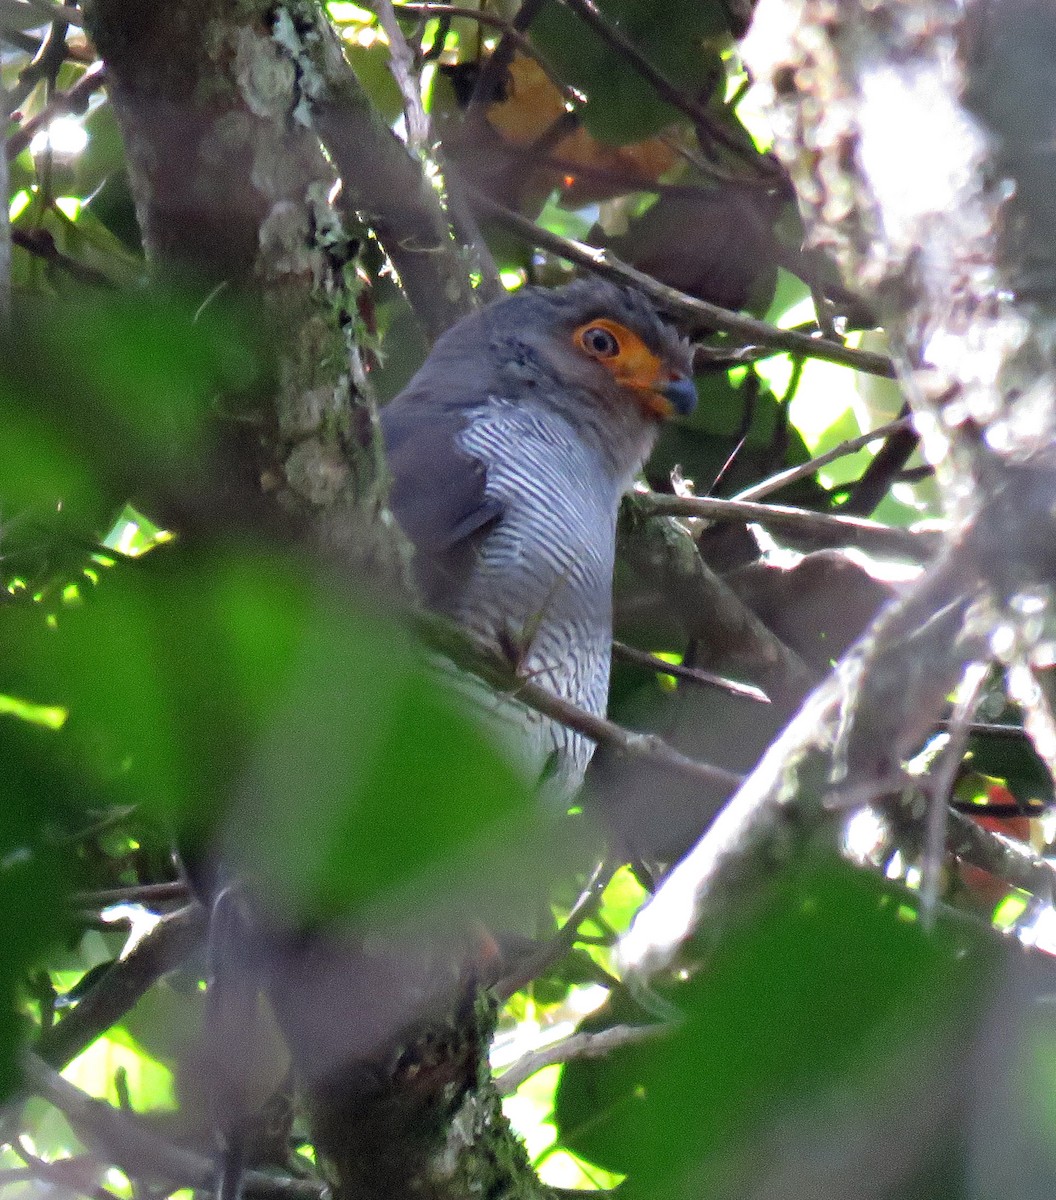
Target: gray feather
[{"x": 509, "y": 452}]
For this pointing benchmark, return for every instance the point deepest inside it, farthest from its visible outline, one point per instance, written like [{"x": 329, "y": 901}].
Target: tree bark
[
  {"x": 915, "y": 135},
  {"x": 224, "y": 109}
]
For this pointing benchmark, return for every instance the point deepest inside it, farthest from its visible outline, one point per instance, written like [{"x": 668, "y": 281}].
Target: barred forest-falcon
[{"x": 509, "y": 452}]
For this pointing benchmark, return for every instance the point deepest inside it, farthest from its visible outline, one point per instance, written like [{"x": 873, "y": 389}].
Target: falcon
[{"x": 509, "y": 451}]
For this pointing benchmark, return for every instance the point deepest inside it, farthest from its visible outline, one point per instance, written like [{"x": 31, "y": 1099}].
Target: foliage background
[{"x": 195, "y": 664}]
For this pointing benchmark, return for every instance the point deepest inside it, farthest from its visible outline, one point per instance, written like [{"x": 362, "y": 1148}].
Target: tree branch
[
  {"x": 401, "y": 65},
  {"x": 41, "y": 244},
  {"x": 774, "y": 483},
  {"x": 1008, "y": 860},
  {"x": 163, "y": 949},
  {"x": 951, "y": 287},
  {"x": 482, "y": 660},
  {"x": 381, "y": 180},
  {"x": 136, "y": 893},
  {"x": 660, "y": 666},
  {"x": 699, "y": 315},
  {"x": 661, "y": 549},
  {"x": 123, "y": 1138},
  {"x": 847, "y": 531},
  {"x": 578, "y": 1045}
]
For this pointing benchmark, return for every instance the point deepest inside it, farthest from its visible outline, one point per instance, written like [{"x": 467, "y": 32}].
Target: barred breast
[{"x": 543, "y": 576}]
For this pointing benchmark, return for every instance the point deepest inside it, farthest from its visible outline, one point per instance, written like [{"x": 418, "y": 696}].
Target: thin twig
[
  {"x": 139, "y": 893},
  {"x": 940, "y": 788},
  {"x": 62, "y": 1172},
  {"x": 463, "y": 221},
  {"x": 652, "y": 662},
  {"x": 885, "y": 468},
  {"x": 160, "y": 951},
  {"x": 534, "y": 964},
  {"x": 74, "y": 100},
  {"x": 127, "y": 1140},
  {"x": 41, "y": 244},
  {"x": 699, "y": 314},
  {"x": 766, "y": 487},
  {"x": 473, "y": 655},
  {"x": 588, "y": 12},
  {"x": 17, "y": 1175},
  {"x": 1011, "y": 861},
  {"x": 578, "y": 1045},
  {"x": 709, "y": 169},
  {"x": 25, "y": 42},
  {"x": 508, "y": 30},
  {"x": 402, "y": 68},
  {"x": 648, "y": 747},
  {"x": 856, "y": 531}
]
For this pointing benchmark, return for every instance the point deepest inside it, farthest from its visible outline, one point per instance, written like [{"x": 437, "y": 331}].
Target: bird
[{"x": 509, "y": 452}]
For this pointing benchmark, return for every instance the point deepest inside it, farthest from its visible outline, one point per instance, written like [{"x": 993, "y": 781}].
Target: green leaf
[
  {"x": 369, "y": 774},
  {"x": 1013, "y": 759},
  {"x": 622, "y": 106},
  {"x": 105, "y": 397},
  {"x": 34, "y": 876},
  {"x": 817, "y": 995}
]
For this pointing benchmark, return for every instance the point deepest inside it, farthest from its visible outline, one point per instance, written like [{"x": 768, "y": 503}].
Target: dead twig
[
  {"x": 402, "y": 68},
  {"x": 852, "y": 531},
  {"x": 652, "y": 662},
  {"x": 774, "y": 483}
]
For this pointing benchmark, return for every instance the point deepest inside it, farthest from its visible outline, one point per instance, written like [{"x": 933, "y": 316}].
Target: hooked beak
[{"x": 680, "y": 393}]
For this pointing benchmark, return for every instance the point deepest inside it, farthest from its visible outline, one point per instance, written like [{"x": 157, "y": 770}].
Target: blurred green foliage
[
  {"x": 808, "y": 995},
  {"x": 623, "y": 107},
  {"x": 224, "y": 691}
]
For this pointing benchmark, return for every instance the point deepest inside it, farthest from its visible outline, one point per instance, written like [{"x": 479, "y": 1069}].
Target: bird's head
[
  {"x": 599, "y": 343},
  {"x": 596, "y": 353}
]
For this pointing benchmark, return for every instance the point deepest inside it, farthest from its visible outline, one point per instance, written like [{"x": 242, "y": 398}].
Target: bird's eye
[{"x": 599, "y": 342}]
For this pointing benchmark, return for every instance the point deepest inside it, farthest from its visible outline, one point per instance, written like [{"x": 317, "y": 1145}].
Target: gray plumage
[{"x": 509, "y": 452}]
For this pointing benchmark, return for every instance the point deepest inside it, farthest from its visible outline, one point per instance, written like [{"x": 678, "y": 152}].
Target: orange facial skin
[{"x": 623, "y": 353}]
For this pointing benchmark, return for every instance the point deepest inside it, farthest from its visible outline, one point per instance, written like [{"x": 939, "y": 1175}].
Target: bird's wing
[{"x": 439, "y": 496}]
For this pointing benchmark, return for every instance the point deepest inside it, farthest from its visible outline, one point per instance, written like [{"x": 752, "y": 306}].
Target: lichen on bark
[
  {"x": 221, "y": 106},
  {"x": 232, "y": 192}
]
